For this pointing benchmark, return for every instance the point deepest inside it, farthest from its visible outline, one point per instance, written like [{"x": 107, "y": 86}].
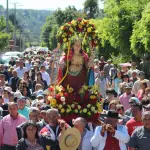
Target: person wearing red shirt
[{"x": 136, "y": 121}]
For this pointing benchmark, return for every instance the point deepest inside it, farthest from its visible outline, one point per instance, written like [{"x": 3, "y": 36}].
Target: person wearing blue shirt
[{"x": 22, "y": 108}]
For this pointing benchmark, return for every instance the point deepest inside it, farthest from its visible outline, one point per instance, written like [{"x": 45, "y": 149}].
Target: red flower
[
  {"x": 51, "y": 89},
  {"x": 69, "y": 22},
  {"x": 79, "y": 19},
  {"x": 92, "y": 25},
  {"x": 66, "y": 94},
  {"x": 58, "y": 97}
]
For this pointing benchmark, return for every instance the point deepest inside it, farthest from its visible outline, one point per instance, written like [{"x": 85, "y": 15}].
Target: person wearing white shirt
[
  {"x": 21, "y": 69},
  {"x": 28, "y": 64},
  {"x": 110, "y": 135},
  {"x": 45, "y": 75}
]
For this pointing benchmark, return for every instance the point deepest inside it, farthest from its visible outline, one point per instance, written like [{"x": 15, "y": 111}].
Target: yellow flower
[
  {"x": 49, "y": 97},
  {"x": 85, "y": 110},
  {"x": 62, "y": 110},
  {"x": 100, "y": 107},
  {"x": 89, "y": 30},
  {"x": 69, "y": 106},
  {"x": 73, "y": 22},
  {"x": 61, "y": 94},
  {"x": 85, "y": 87},
  {"x": 89, "y": 113},
  {"x": 80, "y": 26},
  {"x": 60, "y": 106},
  {"x": 71, "y": 29},
  {"x": 53, "y": 102},
  {"x": 61, "y": 27},
  {"x": 82, "y": 23},
  {"x": 92, "y": 97},
  {"x": 70, "y": 89},
  {"x": 63, "y": 36},
  {"x": 65, "y": 39}
]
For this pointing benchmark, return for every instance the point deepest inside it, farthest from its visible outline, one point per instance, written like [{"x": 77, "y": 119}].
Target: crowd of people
[{"x": 27, "y": 122}]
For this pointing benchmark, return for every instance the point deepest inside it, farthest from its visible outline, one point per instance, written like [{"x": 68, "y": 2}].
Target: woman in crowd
[
  {"x": 39, "y": 80},
  {"x": 141, "y": 92},
  {"x": 30, "y": 140},
  {"x": 26, "y": 78},
  {"x": 26, "y": 92},
  {"x": 116, "y": 82}
]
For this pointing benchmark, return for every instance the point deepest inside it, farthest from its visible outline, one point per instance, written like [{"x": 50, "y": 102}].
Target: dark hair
[
  {"x": 27, "y": 124},
  {"x": 117, "y": 73},
  {"x": 111, "y": 91},
  {"x": 119, "y": 107},
  {"x": 39, "y": 73},
  {"x": 126, "y": 76},
  {"x": 139, "y": 105},
  {"x": 145, "y": 101},
  {"x": 26, "y": 72}
]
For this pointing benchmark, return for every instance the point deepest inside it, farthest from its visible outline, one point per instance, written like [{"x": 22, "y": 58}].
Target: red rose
[
  {"x": 69, "y": 22},
  {"x": 66, "y": 94},
  {"x": 92, "y": 25},
  {"x": 51, "y": 89},
  {"x": 58, "y": 97},
  {"x": 79, "y": 19}
]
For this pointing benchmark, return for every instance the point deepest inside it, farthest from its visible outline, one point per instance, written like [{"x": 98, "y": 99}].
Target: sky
[{"x": 44, "y": 4}]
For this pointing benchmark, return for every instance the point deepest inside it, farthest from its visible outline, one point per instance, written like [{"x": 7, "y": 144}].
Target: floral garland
[
  {"x": 80, "y": 26},
  {"x": 87, "y": 103}
]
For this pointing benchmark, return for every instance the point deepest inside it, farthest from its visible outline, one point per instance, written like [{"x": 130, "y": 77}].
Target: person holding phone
[{"x": 110, "y": 135}]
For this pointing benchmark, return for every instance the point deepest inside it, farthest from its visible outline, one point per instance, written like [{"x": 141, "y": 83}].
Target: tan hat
[
  {"x": 70, "y": 140},
  {"x": 8, "y": 89}
]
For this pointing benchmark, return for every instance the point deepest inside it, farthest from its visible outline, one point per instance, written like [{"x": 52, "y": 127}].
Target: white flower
[
  {"x": 93, "y": 108},
  {"x": 95, "y": 111},
  {"x": 89, "y": 105},
  {"x": 60, "y": 106},
  {"x": 76, "y": 111},
  {"x": 73, "y": 105},
  {"x": 79, "y": 107},
  {"x": 62, "y": 99}
]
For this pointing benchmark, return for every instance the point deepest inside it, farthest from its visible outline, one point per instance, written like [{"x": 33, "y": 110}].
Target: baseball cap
[
  {"x": 128, "y": 86},
  {"x": 133, "y": 100},
  {"x": 21, "y": 98},
  {"x": 40, "y": 93}
]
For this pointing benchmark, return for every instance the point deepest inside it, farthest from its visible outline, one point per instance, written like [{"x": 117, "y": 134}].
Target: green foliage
[
  {"x": 140, "y": 40},
  {"x": 121, "y": 15},
  {"x": 118, "y": 59},
  {"x": 4, "y": 37},
  {"x": 91, "y": 8}
]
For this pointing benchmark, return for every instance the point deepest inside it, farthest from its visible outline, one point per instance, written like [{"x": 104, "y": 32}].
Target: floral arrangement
[
  {"x": 80, "y": 26},
  {"x": 87, "y": 103}
]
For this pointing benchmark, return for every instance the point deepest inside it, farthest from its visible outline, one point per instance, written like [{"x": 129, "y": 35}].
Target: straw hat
[{"x": 70, "y": 140}]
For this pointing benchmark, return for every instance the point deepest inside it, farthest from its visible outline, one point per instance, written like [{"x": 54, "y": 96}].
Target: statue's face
[{"x": 77, "y": 46}]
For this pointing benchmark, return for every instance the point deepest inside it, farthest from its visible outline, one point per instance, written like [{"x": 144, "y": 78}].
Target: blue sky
[{"x": 44, "y": 4}]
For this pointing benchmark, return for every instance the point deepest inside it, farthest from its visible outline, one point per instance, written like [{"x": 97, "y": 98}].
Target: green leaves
[{"x": 140, "y": 40}]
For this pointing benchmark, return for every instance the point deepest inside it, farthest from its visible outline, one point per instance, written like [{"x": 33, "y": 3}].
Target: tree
[
  {"x": 91, "y": 8},
  {"x": 140, "y": 40},
  {"x": 4, "y": 37},
  {"x": 120, "y": 16}
]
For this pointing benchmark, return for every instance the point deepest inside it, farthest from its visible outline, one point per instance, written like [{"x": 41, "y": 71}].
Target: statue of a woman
[{"x": 79, "y": 66}]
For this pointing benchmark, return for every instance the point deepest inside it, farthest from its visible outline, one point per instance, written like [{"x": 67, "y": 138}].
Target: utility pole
[
  {"x": 15, "y": 26},
  {"x": 7, "y": 19}
]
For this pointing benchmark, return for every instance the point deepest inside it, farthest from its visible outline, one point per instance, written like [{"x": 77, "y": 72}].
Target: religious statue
[{"x": 79, "y": 68}]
